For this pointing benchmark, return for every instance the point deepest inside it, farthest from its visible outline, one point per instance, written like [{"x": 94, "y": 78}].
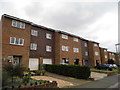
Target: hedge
[{"x": 76, "y": 71}]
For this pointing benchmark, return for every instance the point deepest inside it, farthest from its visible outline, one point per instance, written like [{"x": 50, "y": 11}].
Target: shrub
[{"x": 76, "y": 71}]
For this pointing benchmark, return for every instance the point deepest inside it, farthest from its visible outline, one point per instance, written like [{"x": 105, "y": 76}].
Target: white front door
[
  {"x": 47, "y": 61},
  {"x": 33, "y": 63}
]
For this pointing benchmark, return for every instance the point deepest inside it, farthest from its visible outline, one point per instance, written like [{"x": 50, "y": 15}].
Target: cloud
[{"x": 92, "y": 20}]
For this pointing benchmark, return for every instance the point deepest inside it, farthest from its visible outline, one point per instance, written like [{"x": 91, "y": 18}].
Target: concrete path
[
  {"x": 74, "y": 81},
  {"x": 98, "y": 76}
]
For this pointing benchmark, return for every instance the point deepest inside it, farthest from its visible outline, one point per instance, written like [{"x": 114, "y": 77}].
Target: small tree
[{"x": 14, "y": 70}]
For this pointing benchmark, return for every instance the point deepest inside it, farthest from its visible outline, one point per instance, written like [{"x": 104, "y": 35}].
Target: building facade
[
  {"x": 104, "y": 55},
  {"x": 94, "y": 53},
  {"x": 85, "y": 52},
  {"x": 15, "y": 40},
  {"x": 111, "y": 55},
  {"x": 41, "y": 46},
  {"x": 25, "y": 43},
  {"x": 67, "y": 48}
]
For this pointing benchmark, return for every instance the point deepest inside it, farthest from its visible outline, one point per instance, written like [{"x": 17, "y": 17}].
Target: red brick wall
[
  {"x": 92, "y": 50},
  {"x": 9, "y": 31},
  {"x": 70, "y": 54}
]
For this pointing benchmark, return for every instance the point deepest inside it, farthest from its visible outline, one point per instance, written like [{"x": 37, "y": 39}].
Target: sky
[{"x": 95, "y": 20}]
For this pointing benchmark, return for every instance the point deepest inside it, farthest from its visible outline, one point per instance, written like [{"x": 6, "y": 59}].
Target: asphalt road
[{"x": 107, "y": 82}]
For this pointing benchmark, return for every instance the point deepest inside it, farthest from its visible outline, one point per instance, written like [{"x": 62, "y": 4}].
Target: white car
[{"x": 112, "y": 65}]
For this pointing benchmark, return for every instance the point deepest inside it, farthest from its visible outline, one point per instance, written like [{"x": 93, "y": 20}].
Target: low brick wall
[{"x": 45, "y": 85}]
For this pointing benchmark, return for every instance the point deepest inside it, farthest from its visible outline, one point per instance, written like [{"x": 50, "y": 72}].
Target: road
[{"x": 107, "y": 82}]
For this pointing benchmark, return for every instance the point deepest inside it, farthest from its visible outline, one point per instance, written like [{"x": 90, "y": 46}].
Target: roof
[
  {"x": 103, "y": 48},
  {"x": 12, "y": 17},
  {"x": 25, "y": 21},
  {"x": 36, "y": 25},
  {"x": 93, "y": 41}
]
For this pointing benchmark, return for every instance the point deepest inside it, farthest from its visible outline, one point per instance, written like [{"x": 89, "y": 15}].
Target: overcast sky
[{"x": 95, "y": 20}]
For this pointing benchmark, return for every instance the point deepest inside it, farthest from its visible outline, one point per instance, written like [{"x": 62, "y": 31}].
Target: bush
[{"x": 76, "y": 71}]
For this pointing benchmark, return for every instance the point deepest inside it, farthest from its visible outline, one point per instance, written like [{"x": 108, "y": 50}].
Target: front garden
[{"x": 14, "y": 77}]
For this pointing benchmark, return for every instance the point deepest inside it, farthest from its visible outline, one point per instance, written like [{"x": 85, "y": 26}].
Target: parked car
[
  {"x": 118, "y": 65},
  {"x": 103, "y": 67},
  {"x": 112, "y": 65}
]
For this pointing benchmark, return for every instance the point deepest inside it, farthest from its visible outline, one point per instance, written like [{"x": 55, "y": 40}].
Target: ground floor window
[
  {"x": 97, "y": 62},
  {"x": 65, "y": 61},
  {"x": 76, "y": 61},
  {"x": 15, "y": 60}
]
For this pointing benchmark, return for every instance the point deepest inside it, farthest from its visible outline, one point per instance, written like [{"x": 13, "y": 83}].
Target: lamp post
[
  {"x": 117, "y": 47},
  {"x": 118, "y": 52}
]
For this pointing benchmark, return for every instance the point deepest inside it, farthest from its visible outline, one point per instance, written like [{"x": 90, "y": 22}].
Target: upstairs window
[
  {"x": 48, "y": 36},
  {"x": 95, "y": 45},
  {"x": 48, "y": 48},
  {"x": 86, "y": 53},
  {"x": 85, "y": 44},
  {"x": 96, "y": 53},
  {"x": 64, "y": 36},
  {"x": 16, "y": 41},
  {"x": 18, "y": 24},
  {"x": 76, "y": 50},
  {"x": 34, "y": 32},
  {"x": 105, "y": 50},
  {"x": 75, "y": 39},
  {"x": 65, "y": 48},
  {"x": 105, "y": 56},
  {"x": 33, "y": 46}
]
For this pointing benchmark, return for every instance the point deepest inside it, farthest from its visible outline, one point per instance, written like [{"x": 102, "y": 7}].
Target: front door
[
  {"x": 16, "y": 60},
  {"x": 86, "y": 63}
]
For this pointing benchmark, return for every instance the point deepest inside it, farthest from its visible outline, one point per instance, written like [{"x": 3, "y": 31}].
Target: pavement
[
  {"x": 107, "y": 82},
  {"x": 101, "y": 81},
  {"x": 98, "y": 76}
]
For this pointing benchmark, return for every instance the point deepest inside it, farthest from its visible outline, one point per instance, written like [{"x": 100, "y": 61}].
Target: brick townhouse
[
  {"x": 67, "y": 48},
  {"x": 85, "y": 52},
  {"x": 104, "y": 55},
  {"x": 117, "y": 58},
  {"x": 111, "y": 55},
  {"x": 29, "y": 44},
  {"x": 15, "y": 40},
  {"x": 41, "y": 46},
  {"x": 94, "y": 53}
]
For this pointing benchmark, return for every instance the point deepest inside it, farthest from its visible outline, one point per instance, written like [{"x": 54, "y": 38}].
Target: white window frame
[
  {"x": 48, "y": 48},
  {"x": 33, "y": 46},
  {"x": 48, "y": 36},
  {"x": 105, "y": 50},
  {"x": 18, "y": 24},
  {"x": 14, "y": 42},
  {"x": 86, "y": 53},
  {"x": 76, "y": 50},
  {"x": 64, "y": 36},
  {"x": 65, "y": 48},
  {"x": 75, "y": 39},
  {"x": 106, "y": 56},
  {"x": 85, "y": 44},
  {"x": 96, "y": 53},
  {"x": 95, "y": 45},
  {"x": 34, "y": 32}
]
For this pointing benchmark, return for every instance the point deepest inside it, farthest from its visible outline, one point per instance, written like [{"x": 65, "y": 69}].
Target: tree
[{"x": 14, "y": 70}]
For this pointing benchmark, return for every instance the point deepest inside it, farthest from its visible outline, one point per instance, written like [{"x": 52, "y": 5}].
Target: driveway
[{"x": 63, "y": 81}]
